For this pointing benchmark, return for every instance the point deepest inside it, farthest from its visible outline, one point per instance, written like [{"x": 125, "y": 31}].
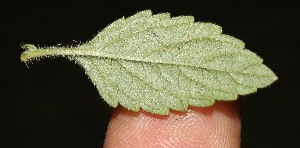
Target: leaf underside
[{"x": 157, "y": 63}]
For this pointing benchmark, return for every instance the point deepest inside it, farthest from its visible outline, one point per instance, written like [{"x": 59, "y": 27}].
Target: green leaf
[{"x": 157, "y": 63}]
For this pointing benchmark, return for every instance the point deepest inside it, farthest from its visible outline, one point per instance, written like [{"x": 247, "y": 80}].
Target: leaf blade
[{"x": 157, "y": 63}]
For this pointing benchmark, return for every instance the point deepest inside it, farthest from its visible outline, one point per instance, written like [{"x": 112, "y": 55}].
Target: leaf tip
[{"x": 275, "y": 78}]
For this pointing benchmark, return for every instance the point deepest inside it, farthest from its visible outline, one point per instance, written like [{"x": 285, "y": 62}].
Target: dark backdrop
[{"x": 53, "y": 104}]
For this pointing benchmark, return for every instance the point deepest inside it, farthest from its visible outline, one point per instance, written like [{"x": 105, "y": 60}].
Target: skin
[{"x": 211, "y": 127}]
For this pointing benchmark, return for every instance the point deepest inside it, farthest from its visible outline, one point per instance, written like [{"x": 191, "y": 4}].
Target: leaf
[{"x": 157, "y": 63}]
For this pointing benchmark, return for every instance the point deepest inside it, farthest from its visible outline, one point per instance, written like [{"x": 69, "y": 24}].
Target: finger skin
[{"x": 216, "y": 126}]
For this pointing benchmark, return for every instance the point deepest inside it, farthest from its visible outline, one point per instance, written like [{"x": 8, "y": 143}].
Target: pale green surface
[{"x": 159, "y": 63}]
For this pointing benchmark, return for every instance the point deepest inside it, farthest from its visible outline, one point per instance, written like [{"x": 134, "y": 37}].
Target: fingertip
[{"x": 215, "y": 126}]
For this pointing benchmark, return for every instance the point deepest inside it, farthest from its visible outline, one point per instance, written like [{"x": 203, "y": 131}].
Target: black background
[{"x": 53, "y": 104}]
